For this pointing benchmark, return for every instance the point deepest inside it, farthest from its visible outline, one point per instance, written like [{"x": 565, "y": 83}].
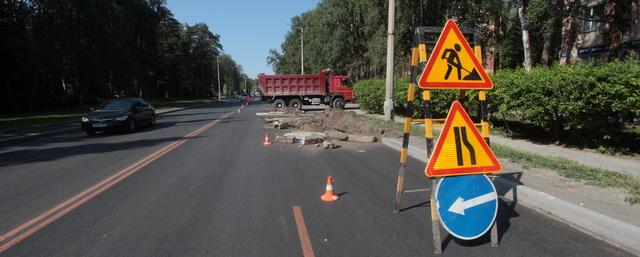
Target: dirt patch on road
[{"x": 343, "y": 121}]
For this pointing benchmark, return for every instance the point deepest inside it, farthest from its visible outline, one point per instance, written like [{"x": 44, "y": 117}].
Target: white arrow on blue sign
[{"x": 467, "y": 205}]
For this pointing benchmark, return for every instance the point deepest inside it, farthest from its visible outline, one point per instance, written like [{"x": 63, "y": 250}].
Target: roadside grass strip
[
  {"x": 388, "y": 125},
  {"x": 9, "y": 124},
  {"x": 573, "y": 170}
]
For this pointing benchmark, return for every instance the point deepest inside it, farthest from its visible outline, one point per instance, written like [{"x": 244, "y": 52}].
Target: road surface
[{"x": 200, "y": 183}]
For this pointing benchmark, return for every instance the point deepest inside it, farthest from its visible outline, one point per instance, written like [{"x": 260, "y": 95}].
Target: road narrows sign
[
  {"x": 467, "y": 205},
  {"x": 452, "y": 65},
  {"x": 460, "y": 149}
]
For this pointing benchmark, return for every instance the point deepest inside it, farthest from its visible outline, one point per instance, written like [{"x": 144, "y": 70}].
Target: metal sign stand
[{"x": 419, "y": 56}]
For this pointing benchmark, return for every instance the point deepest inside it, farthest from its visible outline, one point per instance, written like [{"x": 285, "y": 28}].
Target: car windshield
[{"x": 116, "y": 105}]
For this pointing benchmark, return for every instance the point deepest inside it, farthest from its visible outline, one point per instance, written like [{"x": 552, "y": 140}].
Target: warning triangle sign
[
  {"x": 452, "y": 64},
  {"x": 460, "y": 149}
]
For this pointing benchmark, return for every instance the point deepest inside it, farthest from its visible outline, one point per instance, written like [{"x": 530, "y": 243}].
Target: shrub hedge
[
  {"x": 370, "y": 95},
  {"x": 584, "y": 105}
]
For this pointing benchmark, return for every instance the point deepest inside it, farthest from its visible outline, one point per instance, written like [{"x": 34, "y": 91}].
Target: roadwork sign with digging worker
[{"x": 454, "y": 64}]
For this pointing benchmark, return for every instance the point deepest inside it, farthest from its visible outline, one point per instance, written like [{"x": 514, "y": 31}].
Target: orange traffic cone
[
  {"x": 329, "y": 195},
  {"x": 266, "y": 139}
]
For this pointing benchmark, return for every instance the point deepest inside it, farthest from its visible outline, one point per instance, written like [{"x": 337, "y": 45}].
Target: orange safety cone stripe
[
  {"x": 329, "y": 195},
  {"x": 266, "y": 139}
]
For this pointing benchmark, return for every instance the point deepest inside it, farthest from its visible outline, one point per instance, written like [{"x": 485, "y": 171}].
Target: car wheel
[
  {"x": 295, "y": 104},
  {"x": 131, "y": 126},
  {"x": 90, "y": 132},
  {"x": 153, "y": 120},
  {"x": 279, "y": 105},
  {"x": 339, "y": 103}
]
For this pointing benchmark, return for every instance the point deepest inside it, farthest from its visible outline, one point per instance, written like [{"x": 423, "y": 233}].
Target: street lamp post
[
  {"x": 388, "y": 100},
  {"x": 302, "y": 50},
  {"x": 218, "y": 68}
]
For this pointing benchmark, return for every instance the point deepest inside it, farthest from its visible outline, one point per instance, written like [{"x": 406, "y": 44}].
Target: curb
[
  {"x": 69, "y": 126},
  {"x": 618, "y": 233}
]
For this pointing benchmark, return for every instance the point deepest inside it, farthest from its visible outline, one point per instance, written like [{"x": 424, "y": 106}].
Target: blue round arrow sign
[{"x": 467, "y": 205}]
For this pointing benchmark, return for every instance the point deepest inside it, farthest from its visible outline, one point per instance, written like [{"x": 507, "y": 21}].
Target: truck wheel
[
  {"x": 339, "y": 103},
  {"x": 295, "y": 104},
  {"x": 279, "y": 105}
]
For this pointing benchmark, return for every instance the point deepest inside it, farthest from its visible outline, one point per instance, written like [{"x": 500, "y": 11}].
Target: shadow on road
[
  {"x": 506, "y": 211},
  {"x": 54, "y": 153},
  {"x": 419, "y": 205}
]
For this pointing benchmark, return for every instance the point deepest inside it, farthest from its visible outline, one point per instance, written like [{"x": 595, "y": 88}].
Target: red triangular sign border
[
  {"x": 424, "y": 84},
  {"x": 430, "y": 170}
]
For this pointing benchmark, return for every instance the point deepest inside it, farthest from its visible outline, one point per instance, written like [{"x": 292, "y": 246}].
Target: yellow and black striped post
[
  {"x": 482, "y": 97},
  {"x": 428, "y": 135},
  {"x": 428, "y": 121},
  {"x": 406, "y": 129}
]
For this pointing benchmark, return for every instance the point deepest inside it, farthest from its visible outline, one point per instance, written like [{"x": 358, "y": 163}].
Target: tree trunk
[
  {"x": 494, "y": 32},
  {"x": 522, "y": 14},
  {"x": 569, "y": 29},
  {"x": 635, "y": 19},
  {"x": 614, "y": 26},
  {"x": 491, "y": 57},
  {"x": 549, "y": 32},
  {"x": 546, "y": 47}
]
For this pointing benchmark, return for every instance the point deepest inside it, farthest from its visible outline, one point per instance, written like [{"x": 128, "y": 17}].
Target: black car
[{"x": 119, "y": 115}]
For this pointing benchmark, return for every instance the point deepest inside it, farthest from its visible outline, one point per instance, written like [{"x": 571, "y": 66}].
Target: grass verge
[
  {"x": 36, "y": 121},
  {"x": 571, "y": 169},
  {"x": 388, "y": 125}
]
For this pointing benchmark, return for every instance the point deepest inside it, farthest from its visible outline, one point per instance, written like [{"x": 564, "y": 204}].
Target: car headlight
[
  {"x": 84, "y": 119},
  {"x": 122, "y": 118}
]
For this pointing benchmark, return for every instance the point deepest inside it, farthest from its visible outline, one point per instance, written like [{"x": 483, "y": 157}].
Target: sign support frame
[{"x": 419, "y": 58}]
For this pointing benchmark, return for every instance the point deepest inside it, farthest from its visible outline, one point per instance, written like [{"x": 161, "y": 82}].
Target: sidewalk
[
  {"x": 600, "y": 212},
  {"x": 603, "y": 161}
]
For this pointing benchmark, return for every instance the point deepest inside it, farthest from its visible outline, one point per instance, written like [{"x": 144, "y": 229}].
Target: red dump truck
[{"x": 309, "y": 89}]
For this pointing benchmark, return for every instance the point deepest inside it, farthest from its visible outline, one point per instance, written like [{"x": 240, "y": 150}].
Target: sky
[{"x": 247, "y": 28}]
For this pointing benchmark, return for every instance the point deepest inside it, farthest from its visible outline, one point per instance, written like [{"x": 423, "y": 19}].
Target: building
[{"x": 590, "y": 41}]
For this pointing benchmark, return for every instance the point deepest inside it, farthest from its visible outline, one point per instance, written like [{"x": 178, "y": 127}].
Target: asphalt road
[{"x": 220, "y": 192}]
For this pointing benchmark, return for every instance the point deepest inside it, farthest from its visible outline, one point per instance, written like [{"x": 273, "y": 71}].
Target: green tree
[{"x": 69, "y": 52}]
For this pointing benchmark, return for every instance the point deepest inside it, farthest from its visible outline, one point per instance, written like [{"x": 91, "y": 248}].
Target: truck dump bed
[{"x": 293, "y": 85}]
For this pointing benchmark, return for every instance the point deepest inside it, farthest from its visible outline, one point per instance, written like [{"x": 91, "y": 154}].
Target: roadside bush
[
  {"x": 583, "y": 105},
  {"x": 370, "y": 95}
]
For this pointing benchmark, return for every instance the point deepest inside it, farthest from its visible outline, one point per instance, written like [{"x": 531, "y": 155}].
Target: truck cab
[{"x": 342, "y": 86}]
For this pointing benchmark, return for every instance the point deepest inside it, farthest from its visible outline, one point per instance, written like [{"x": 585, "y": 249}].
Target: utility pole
[
  {"x": 302, "y": 50},
  {"x": 388, "y": 100},
  {"x": 218, "y": 67}
]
